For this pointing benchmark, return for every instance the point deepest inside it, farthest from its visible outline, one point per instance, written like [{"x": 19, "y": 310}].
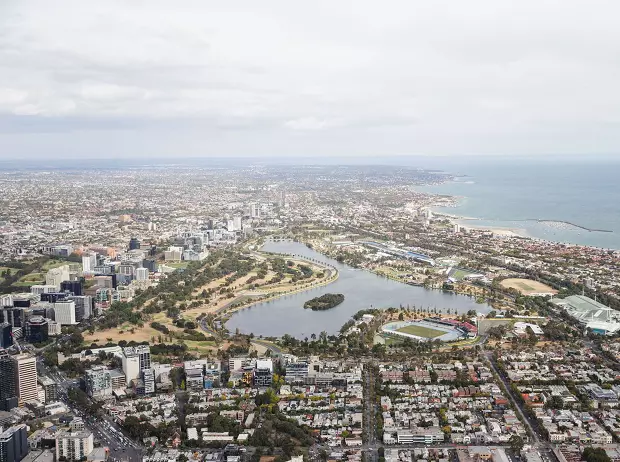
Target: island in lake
[{"x": 324, "y": 302}]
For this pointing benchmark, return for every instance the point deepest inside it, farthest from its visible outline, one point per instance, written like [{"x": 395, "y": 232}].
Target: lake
[{"x": 362, "y": 289}]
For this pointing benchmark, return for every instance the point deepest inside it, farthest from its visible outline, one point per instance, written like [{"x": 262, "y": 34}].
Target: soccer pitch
[{"x": 421, "y": 331}]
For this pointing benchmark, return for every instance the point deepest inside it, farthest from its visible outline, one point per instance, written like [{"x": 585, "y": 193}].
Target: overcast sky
[{"x": 287, "y": 78}]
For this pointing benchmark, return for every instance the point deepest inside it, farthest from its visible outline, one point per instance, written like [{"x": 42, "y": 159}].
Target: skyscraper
[
  {"x": 13, "y": 444},
  {"x": 65, "y": 313},
  {"x": 89, "y": 261},
  {"x": 8, "y": 392},
  {"x": 134, "y": 243},
  {"x": 75, "y": 287},
  {"x": 135, "y": 360},
  {"x": 37, "y": 329},
  {"x": 26, "y": 372},
  {"x": 6, "y": 335},
  {"x": 142, "y": 274}
]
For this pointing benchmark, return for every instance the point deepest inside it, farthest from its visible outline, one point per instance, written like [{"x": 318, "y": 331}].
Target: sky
[{"x": 143, "y": 79}]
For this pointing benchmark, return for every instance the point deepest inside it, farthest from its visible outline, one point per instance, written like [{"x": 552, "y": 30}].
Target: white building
[
  {"x": 39, "y": 289},
  {"x": 56, "y": 275},
  {"x": 142, "y": 274},
  {"x": 135, "y": 360},
  {"x": 98, "y": 382},
  {"x": 89, "y": 261},
  {"x": 173, "y": 253},
  {"x": 53, "y": 328},
  {"x": 74, "y": 445},
  {"x": 26, "y": 368},
  {"x": 255, "y": 210},
  {"x": 65, "y": 313}
]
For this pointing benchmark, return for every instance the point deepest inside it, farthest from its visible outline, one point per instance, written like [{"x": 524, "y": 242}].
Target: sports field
[
  {"x": 421, "y": 331},
  {"x": 528, "y": 286}
]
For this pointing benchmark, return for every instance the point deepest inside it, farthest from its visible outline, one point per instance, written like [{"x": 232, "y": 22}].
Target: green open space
[
  {"x": 48, "y": 265},
  {"x": 459, "y": 274},
  {"x": 177, "y": 265},
  {"x": 421, "y": 331},
  {"x": 524, "y": 286}
]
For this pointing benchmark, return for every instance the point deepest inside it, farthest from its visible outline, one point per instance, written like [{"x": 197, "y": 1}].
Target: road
[
  {"x": 275, "y": 349},
  {"x": 106, "y": 432},
  {"x": 370, "y": 418},
  {"x": 515, "y": 403}
]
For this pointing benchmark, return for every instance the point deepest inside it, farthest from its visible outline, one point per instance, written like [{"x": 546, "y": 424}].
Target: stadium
[{"x": 446, "y": 330}]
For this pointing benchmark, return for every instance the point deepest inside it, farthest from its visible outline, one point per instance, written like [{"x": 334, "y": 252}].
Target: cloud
[{"x": 354, "y": 77}]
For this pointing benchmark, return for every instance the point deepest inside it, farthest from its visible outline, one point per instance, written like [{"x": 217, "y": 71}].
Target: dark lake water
[{"x": 362, "y": 289}]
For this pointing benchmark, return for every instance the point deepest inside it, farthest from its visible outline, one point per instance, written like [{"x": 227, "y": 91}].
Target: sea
[{"x": 515, "y": 193}]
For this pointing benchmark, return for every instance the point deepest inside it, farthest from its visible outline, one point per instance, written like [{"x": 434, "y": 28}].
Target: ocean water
[{"x": 515, "y": 193}]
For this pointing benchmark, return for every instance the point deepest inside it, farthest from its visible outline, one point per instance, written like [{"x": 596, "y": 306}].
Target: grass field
[
  {"x": 421, "y": 331},
  {"x": 527, "y": 286},
  {"x": 459, "y": 274}
]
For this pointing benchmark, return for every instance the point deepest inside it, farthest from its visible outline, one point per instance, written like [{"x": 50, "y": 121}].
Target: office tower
[
  {"x": 89, "y": 261},
  {"x": 55, "y": 276},
  {"x": 142, "y": 274},
  {"x": 98, "y": 382},
  {"x": 75, "y": 287},
  {"x": 134, "y": 243},
  {"x": 263, "y": 374},
  {"x": 148, "y": 378},
  {"x": 150, "y": 264},
  {"x": 83, "y": 307},
  {"x": 65, "y": 313},
  {"x": 26, "y": 372},
  {"x": 6, "y": 335},
  {"x": 237, "y": 223},
  {"x": 8, "y": 392},
  {"x": 135, "y": 360},
  {"x": 14, "y": 444},
  {"x": 50, "y": 388},
  {"x": 39, "y": 289},
  {"x": 74, "y": 445},
  {"x": 12, "y": 315},
  {"x": 37, "y": 330},
  {"x": 254, "y": 210}
]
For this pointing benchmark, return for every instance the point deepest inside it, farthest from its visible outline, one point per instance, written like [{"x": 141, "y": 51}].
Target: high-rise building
[
  {"x": 134, "y": 243},
  {"x": 98, "y": 381},
  {"x": 8, "y": 391},
  {"x": 6, "y": 335},
  {"x": 89, "y": 261},
  {"x": 14, "y": 444},
  {"x": 50, "y": 389},
  {"x": 83, "y": 307},
  {"x": 37, "y": 330},
  {"x": 74, "y": 445},
  {"x": 75, "y": 287},
  {"x": 142, "y": 274},
  {"x": 65, "y": 313},
  {"x": 150, "y": 264},
  {"x": 55, "y": 276},
  {"x": 135, "y": 360},
  {"x": 26, "y": 374},
  {"x": 255, "y": 210},
  {"x": 39, "y": 289},
  {"x": 148, "y": 378}
]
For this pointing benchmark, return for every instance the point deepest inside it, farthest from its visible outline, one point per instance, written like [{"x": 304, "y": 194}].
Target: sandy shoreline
[{"x": 497, "y": 230}]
